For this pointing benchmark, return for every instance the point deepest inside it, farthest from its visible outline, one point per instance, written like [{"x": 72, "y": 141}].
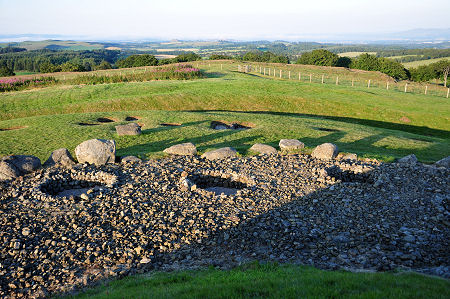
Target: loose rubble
[{"x": 161, "y": 214}]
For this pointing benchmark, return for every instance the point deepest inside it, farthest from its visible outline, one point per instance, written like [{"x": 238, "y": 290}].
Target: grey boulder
[
  {"x": 96, "y": 151},
  {"x": 411, "y": 159},
  {"x": 263, "y": 149},
  {"x": 325, "y": 151},
  {"x": 183, "y": 149},
  {"x": 128, "y": 129},
  {"x": 60, "y": 156},
  {"x": 17, "y": 165},
  {"x": 221, "y": 153},
  {"x": 443, "y": 162},
  {"x": 290, "y": 144}
]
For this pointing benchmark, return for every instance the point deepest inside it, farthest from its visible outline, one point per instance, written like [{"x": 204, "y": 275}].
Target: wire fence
[{"x": 328, "y": 75}]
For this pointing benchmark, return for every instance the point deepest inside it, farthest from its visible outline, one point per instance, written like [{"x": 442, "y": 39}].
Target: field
[
  {"x": 272, "y": 281},
  {"x": 412, "y": 64},
  {"x": 371, "y": 122},
  {"x": 354, "y": 54}
]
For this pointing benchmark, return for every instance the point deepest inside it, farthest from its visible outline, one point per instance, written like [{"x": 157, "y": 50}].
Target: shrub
[
  {"x": 104, "y": 65},
  {"x": 219, "y": 57},
  {"x": 389, "y": 67},
  {"x": 319, "y": 57},
  {"x": 72, "y": 67},
  {"x": 187, "y": 57},
  {"x": 265, "y": 56},
  {"x": 137, "y": 60}
]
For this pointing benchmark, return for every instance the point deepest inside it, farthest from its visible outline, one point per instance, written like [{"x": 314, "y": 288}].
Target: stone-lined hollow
[
  {"x": 325, "y": 129},
  {"x": 217, "y": 184},
  {"x": 131, "y": 118},
  {"x": 12, "y": 128},
  {"x": 105, "y": 120},
  {"x": 170, "y": 124},
  {"x": 67, "y": 188},
  {"x": 87, "y": 124},
  {"x": 219, "y": 125}
]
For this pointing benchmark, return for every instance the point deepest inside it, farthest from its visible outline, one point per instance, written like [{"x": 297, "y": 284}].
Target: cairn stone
[
  {"x": 263, "y": 149},
  {"x": 411, "y": 159},
  {"x": 130, "y": 159},
  {"x": 221, "y": 153},
  {"x": 96, "y": 151},
  {"x": 350, "y": 156},
  {"x": 17, "y": 165},
  {"x": 290, "y": 144},
  {"x": 183, "y": 149},
  {"x": 443, "y": 162},
  {"x": 60, "y": 156},
  {"x": 128, "y": 129},
  {"x": 326, "y": 151}
]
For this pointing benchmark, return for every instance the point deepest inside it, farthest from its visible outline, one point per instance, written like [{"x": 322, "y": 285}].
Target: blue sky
[{"x": 227, "y": 19}]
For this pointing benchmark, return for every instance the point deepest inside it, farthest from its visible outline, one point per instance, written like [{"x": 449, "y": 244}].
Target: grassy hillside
[
  {"x": 373, "y": 123},
  {"x": 422, "y": 62},
  {"x": 272, "y": 281},
  {"x": 55, "y": 45}
]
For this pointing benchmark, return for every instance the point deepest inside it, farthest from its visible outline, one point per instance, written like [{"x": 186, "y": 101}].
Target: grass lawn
[
  {"x": 373, "y": 123},
  {"x": 417, "y": 63},
  {"x": 272, "y": 281}
]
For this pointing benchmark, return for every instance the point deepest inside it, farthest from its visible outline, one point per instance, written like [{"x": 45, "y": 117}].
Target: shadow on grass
[{"x": 421, "y": 130}]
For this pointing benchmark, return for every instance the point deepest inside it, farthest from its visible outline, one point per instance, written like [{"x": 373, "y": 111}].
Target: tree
[
  {"x": 187, "y": 57},
  {"x": 344, "y": 62},
  {"x": 219, "y": 57},
  {"x": 6, "y": 71},
  {"x": 47, "y": 67},
  {"x": 366, "y": 62},
  {"x": 104, "y": 65},
  {"x": 319, "y": 57},
  {"x": 137, "y": 60},
  {"x": 72, "y": 67}
]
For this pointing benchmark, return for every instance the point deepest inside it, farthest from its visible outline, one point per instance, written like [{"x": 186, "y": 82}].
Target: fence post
[
  {"x": 352, "y": 81},
  {"x": 260, "y": 69},
  {"x": 337, "y": 80},
  {"x": 387, "y": 85},
  {"x": 448, "y": 90},
  {"x": 299, "y": 76},
  {"x": 289, "y": 75},
  {"x": 264, "y": 71},
  {"x": 274, "y": 72},
  {"x": 221, "y": 66},
  {"x": 322, "y": 79},
  {"x": 310, "y": 78},
  {"x": 406, "y": 87},
  {"x": 426, "y": 89},
  {"x": 368, "y": 84},
  {"x": 280, "y": 73}
]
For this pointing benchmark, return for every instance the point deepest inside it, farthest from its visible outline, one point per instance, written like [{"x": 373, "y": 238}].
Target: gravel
[{"x": 162, "y": 214}]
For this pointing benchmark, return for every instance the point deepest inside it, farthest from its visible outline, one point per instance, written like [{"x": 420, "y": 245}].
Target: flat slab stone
[
  {"x": 290, "y": 144},
  {"x": 220, "y": 190},
  {"x": 221, "y": 153},
  {"x": 263, "y": 149},
  {"x": 128, "y": 129},
  {"x": 183, "y": 149}
]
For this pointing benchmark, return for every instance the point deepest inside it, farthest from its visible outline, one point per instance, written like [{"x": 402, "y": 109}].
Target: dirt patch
[
  {"x": 106, "y": 120},
  {"x": 131, "y": 118},
  {"x": 170, "y": 124},
  {"x": 13, "y": 128},
  {"x": 222, "y": 125},
  {"x": 405, "y": 119}
]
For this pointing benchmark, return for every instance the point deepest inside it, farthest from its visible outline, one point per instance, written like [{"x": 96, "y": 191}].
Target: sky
[{"x": 226, "y": 19}]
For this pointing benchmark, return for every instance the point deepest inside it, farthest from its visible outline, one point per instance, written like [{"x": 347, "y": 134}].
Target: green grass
[
  {"x": 417, "y": 63},
  {"x": 272, "y": 281},
  {"x": 22, "y": 73},
  {"x": 373, "y": 123},
  {"x": 354, "y": 54}
]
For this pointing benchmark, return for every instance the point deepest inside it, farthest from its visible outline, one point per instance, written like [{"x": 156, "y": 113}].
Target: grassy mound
[{"x": 272, "y": 281}]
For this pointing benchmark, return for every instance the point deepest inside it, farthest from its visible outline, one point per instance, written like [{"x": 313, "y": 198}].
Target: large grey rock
[
  {"x": 96, "y": 151},
  {"x": 17, "y": 165},
  {"x": 184, "y": 149},
  {"x": 325, "y": 151},
  {"x": 263, "y": 149},
  {"x": 128, "y": 129},
  {"x": 411, "y": 159},
  {"x": 221, "y": 153},
  {"x": 60, "y": 156},
  {"x": 290, "y": 144},
  {"x": 130, "y": 159},
  {"x": 443, "y": 162}
]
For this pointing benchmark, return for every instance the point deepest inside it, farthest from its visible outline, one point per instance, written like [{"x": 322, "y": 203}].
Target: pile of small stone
[{"x": 136, "y": 216}]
